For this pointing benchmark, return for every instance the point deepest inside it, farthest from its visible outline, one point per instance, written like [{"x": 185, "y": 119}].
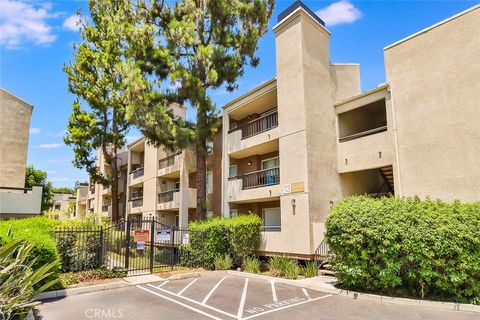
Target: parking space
[{"x": 217, "y": 295}]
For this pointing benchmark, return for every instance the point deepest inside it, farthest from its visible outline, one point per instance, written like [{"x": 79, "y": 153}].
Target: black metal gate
[{"x": 142, "y": 245}]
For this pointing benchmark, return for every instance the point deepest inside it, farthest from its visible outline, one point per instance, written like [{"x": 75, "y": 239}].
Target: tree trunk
[
  {"x": 114, "y": 171},
  {"x": 201, "y": 180}
]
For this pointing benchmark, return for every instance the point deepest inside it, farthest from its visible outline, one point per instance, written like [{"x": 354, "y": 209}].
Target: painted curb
[
  {"x": 73, "y": 291},
  {"x": 452, "y": 306},
  {"x": 184, "y": 276}
]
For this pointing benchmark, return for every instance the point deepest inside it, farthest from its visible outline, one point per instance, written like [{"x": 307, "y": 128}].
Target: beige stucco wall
[
  {"x": 16, "y": 204},
  {"x": 434, "y": 80},
  {"x": 15, "y": 117}
]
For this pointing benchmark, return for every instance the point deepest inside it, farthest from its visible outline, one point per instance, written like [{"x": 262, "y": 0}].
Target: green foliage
[
  {"x": 239, "y": 237},
  {"x": 282, "y": 266},
  {"x": 65, "y": 190},
  {"x": 310, "y": 270},
  {"x": 421, "y": 248},
  {"x": 21, "y": 279},
  {"x": 71, "y": 278},
  {"x": 224, "y": 262},
  {"x": 38, "y": 178},
  {"x": 251, "y": 264}
]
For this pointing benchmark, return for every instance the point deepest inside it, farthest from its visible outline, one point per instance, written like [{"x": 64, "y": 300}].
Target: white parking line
[
  {"x": 213, "y": 289},
  {"x": 242, "y": 301},
  {"x": 164, "y": 283},
  {"x": 306, "y": 294},
  {"x": 179, "y": 303},
  {"x": 274, "y": 292},
  {"x": 188, "y": 285},
  {"x": 285, "y": 307},
  {"x": 196, "y": 302}
]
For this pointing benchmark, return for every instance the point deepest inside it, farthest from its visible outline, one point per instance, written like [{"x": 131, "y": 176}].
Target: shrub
[
  {"x": 423, "y": 248},
  {"x": 21, "y": 283},
  {"x": 239, "y": 237},
  {"x": 71, "y": 278},
  {"x": 224, "y": 262},
  {"x": 251, "y": 264},
  {"x": 280, "y": 266},
  {"x": 310, "y": 270}
]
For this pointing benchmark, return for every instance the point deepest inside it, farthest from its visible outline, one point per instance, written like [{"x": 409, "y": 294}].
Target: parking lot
[{"x": 217, "y": 295}]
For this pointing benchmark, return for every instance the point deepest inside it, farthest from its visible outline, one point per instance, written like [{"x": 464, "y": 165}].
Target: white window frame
[
  {"x": 265, "y": 160},
  {"x": 271, "y": 228},
  {"x": 233, "y": 213},
  {"x": 230, "y": 171},
  {"x": 209, "y": 190}
]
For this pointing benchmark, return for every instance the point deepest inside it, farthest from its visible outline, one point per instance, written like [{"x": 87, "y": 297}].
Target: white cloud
[
  {"x": 21, "y": 22},
  {"x": 339, "y": 13},
  {"x": 57, "y": 134},
  {"x": 59, "y": 160},
  {"x": 35, "y": 130},
  {"x": 49, "y": 146},
  {"x": 72, "y": 23}
]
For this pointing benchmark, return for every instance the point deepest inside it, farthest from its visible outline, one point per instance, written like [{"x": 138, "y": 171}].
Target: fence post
[
  {"x": 102, "y": 248},
  {"x": 127, "y": 244},
  {"x": 172, "y": 247},
  {"x": 152, "y": 246}
]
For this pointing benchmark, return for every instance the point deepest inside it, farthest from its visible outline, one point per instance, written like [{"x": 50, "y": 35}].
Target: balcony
[
  {"x": 137, "y": 173},
  {"x": 166, "y": 196},
  {"x": 258, "y": 125},
  {"x": 105, "y": 208},
  {"x": 260, "y": 178},
  {"x": 137, "y": 202},
  {"x": 169, "y": 160}
]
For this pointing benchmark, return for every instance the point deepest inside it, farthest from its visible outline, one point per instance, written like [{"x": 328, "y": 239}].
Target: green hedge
[
  {"x": 238, "y": 237},
  {"x": 37, "y": 231},
  {"x": 407, "y": 246}
]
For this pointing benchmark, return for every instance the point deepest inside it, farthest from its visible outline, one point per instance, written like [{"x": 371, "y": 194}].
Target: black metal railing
[
  {"x": 137, "y": 172},
  {"x": 166, "y": 196},
  {"x": 137, "y": 202},
  {"x": 271, "y": 228},
  {"x": 169, "y": 160},
  {"x": 322, "y": 252},
  {"x": 260, "y": 178},
  {"x": 258, "y": 125},
  {"x": 362, "y": 134}
]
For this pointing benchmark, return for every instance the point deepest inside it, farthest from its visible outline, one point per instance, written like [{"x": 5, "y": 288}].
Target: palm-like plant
[{"x": 19, "y": 282}]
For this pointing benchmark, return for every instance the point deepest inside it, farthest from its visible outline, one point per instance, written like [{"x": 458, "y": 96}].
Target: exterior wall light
[{"x": 294, "y": 204}]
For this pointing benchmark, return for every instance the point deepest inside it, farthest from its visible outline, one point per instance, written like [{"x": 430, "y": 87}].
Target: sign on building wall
[
  {"x": 141, "y": 235},
  {"x": 295, "y": 187}
]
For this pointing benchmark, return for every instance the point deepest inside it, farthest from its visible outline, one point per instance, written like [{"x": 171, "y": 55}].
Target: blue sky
[{"x": 36, "y": 41}]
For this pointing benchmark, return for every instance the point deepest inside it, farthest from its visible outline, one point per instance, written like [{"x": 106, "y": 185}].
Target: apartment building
[
  {"x": 64, "y": 204},
  {"x": 15, "y": 200},
  {"x": 81, "y": 199},
  {"x": 298, "y": 143},
  {"x": 99, "y": 197},
  {"x": 295, "y": 145}
]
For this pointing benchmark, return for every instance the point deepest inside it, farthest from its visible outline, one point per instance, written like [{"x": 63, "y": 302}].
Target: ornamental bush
[
  {"x": 423, "y": 248},
  {"x": 238, "y": 237}
]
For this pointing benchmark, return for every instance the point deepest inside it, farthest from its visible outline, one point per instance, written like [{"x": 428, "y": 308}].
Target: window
[
  {"x": 233, "y": 213},
  {"x": 177, "y": 185},
  {"x": 209, "y": 214},
  {"x": 232, "y": 172},
  {"x": 270, "y": 163},
  {"x": 209, "y": 182},
  {"x": 271, "y": 219},
  {"x": 209, "y": 147}
]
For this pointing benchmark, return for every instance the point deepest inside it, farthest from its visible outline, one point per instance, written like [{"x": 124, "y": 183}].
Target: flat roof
[{"x": 432, "y": 26}]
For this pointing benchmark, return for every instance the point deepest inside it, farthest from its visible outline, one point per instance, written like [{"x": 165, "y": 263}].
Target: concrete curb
[
  {"x": 73, "y": 291},
  {"x": 319, "y": 283},
  {"x": 181, "y": 276}
]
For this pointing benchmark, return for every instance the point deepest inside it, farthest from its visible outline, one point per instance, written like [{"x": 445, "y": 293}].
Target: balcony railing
[
  {"x": 260, "y": 178},
  {"x": 363, "y": 134},
  {"x": 137, "y": 172},
  {"x": 105, "y": 208},
  {"x": 168, "y": 161},
  {"x": 137, "y": 202},
  {"x": 166, "y": 196},
  {"x": 259, "y": 125}
]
